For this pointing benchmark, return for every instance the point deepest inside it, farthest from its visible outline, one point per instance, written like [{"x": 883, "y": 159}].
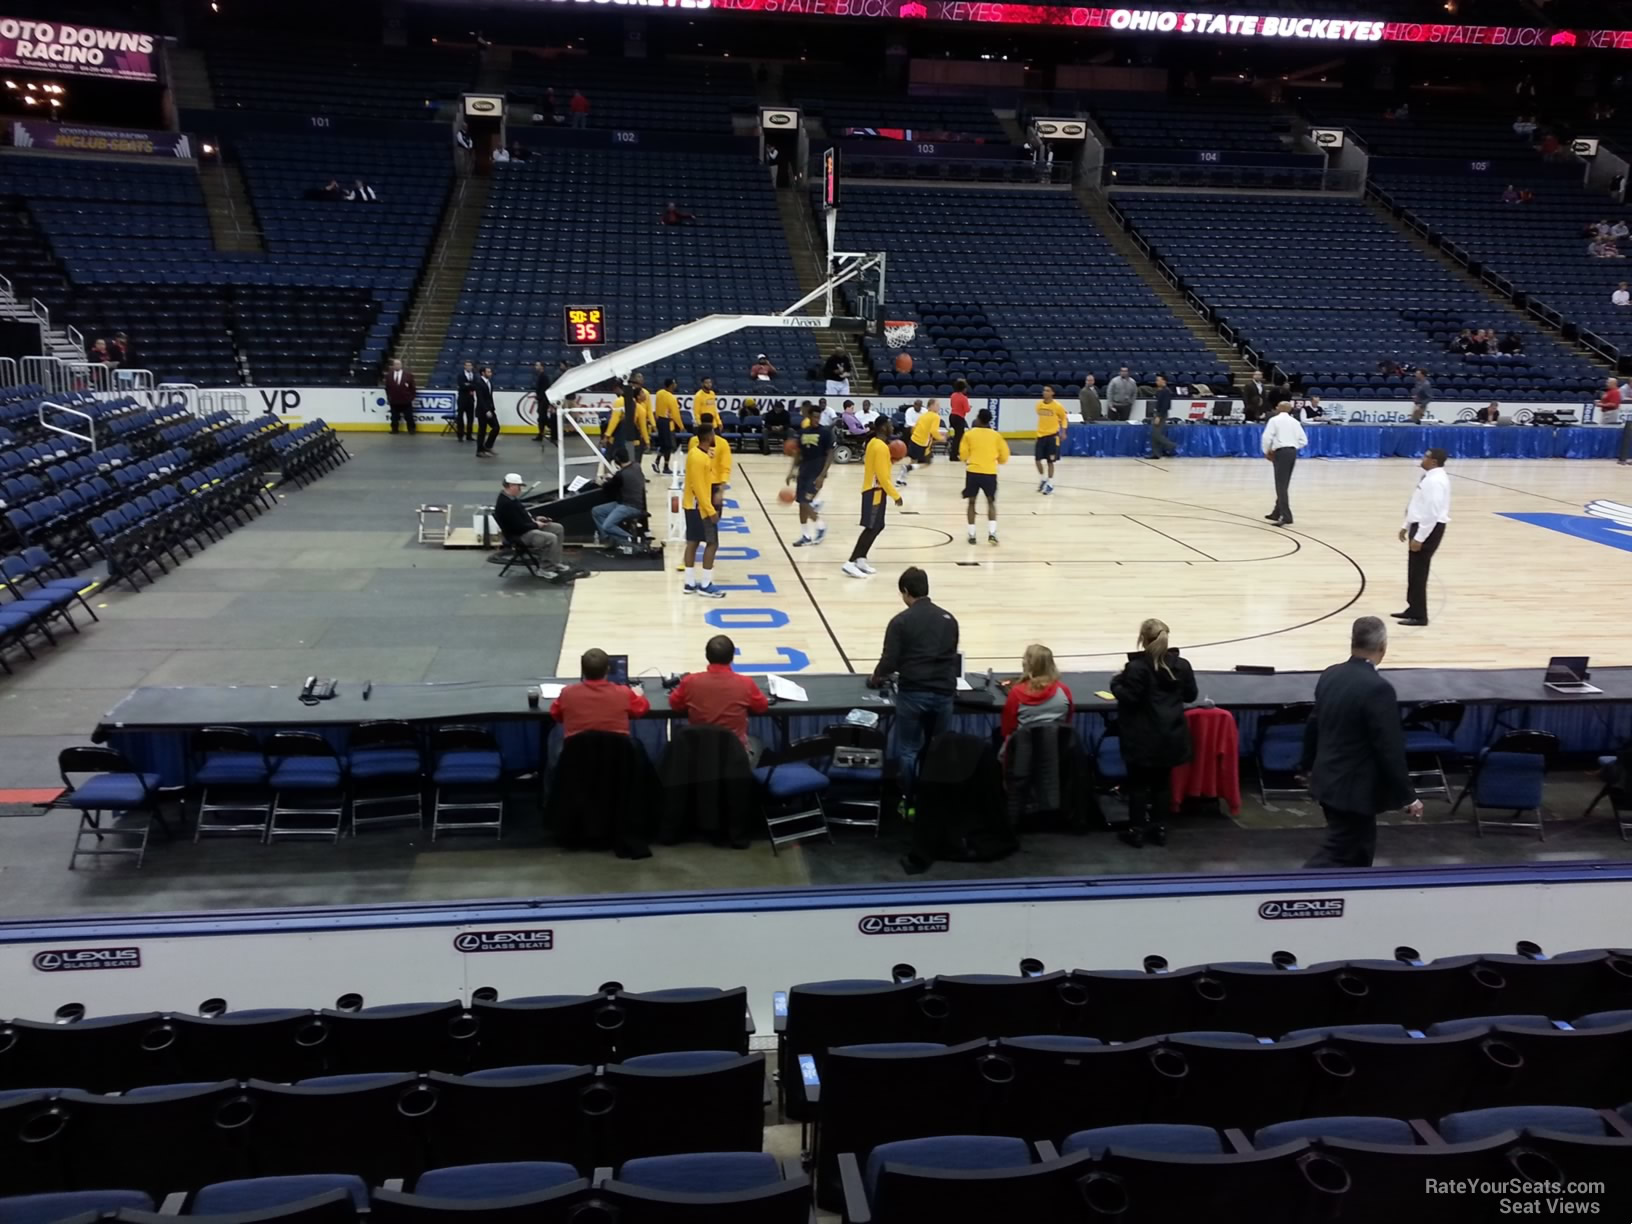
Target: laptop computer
[
  {"x": 963, "y": 685},
  {"x": 1567, "y": 674},
  {"x": 618, "y": 673}
]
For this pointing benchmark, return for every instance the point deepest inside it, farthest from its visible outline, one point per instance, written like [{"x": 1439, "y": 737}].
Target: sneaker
[
  {"x": 1156, "y": 835},
  {"x": 803, "y": 542},
  {"x": 1131, "y": 835},
  {"x": 821, "y": 534},
  {"x": 1042, "y": 486},
  {"x": 971, "y": 537},
  {"x": 689, "y": 589},
  {"x": 1047, "y": 488},
  {"x": 866, "y": 566},
  {"x": 991, "y": 538},
  {"x": 853, "y": 570},
  {"x": 710, "y": 592}
]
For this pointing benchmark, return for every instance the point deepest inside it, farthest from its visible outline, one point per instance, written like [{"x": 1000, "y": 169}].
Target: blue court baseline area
[{"x": 1131, "y": 440}]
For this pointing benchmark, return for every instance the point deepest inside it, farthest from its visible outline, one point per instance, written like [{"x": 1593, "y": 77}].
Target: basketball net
[{"x": 898, "y": 333}]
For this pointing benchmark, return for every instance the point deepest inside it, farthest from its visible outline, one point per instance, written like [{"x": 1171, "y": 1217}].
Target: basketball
[
  {"x": 898, "y": 449},
  {"x": 785, "y": 496},
  {"x": 903, "y": 363},
  {"x": 790, "y": 447}
]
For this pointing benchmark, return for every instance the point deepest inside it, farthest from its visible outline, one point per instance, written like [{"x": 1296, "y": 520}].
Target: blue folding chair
[{"x": 116, "y": 800}]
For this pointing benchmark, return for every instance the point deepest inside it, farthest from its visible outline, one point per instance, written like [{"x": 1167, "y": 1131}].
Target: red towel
[{"x": 1214, "y": 770}]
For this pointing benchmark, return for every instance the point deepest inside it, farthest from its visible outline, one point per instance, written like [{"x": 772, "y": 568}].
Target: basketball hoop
[{"x": 898, "y": 333}]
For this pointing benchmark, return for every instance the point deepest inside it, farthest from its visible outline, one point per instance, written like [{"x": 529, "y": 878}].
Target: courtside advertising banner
[{"x": 68, "y": 47}]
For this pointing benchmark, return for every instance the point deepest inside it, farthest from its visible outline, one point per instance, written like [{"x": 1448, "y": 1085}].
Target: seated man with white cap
[{"x": 533, "y": 532}]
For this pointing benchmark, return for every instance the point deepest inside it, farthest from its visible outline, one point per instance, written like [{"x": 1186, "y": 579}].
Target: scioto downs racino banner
[{"x": 68, "y": 47}]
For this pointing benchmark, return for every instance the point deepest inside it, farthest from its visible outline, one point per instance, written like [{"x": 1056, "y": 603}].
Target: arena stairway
[
  {"x": 801, "y": 227},
  {"x": 1095, "y": 205},
  {"x": 439, "y": 286}
]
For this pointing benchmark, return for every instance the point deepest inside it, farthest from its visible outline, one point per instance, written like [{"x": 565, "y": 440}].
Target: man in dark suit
[
  {"x": 1354, "y": 751},
  {"x": 1252, "y": 398},
  {"x": 464, "y": 417},
  {"x": 400, "y": 390},
  {"x": 487, "y": 415}
]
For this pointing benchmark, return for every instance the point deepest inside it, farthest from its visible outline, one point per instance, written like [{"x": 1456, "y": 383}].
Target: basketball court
[{"x": 1525, "y": 571}]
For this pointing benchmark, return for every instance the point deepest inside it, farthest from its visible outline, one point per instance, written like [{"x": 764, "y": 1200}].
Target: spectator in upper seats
[
  {"x": 675, "y": 215},
  {"x": 501, "y": 156},
  {"x": 1526, "y": 196},
  {"x": 1462, "y": 341},
  {"x": 1621, "y": 296},
  {"x": 1039, "y": 696},
  {"x": 1603, "y": 248},
  {"x": 1422, "y": 395},
  {"x": 1619, "y": 230},
  {"x": 546, "y": 108},
  {"x": 361, "y": 193},
  {"x": 99, "y": 351},
  {"x": 120, "y": 352},
  {"x": 1549, "y": 145},
  {"x": 762, "y": 370},
  {"x": 1511, "y": 345},
  {"x": 1121, "y": 392},
  {"x": 596, "y": 704},
  {"x": 720, "y": 697},
  {"x": 328, "y": 192},
  {"x": 579, "y": 106},
  {"x": 1511, "y": 195}
]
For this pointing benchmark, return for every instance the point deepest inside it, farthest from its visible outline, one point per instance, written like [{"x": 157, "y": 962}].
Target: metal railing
[
  {"x": 126, "y": 378},
  {"x": 90, "y": 423},
  {"x": 5, "y": 287},
  {"x": 75, "y": 337},
  {"x": 8, "y": 372},
  {"x": 44, "y": 372}
]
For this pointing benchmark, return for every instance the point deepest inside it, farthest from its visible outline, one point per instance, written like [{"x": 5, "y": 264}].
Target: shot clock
[{"x": 584, "y": 325}]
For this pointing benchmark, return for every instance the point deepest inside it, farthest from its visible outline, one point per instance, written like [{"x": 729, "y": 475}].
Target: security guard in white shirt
[
  {"x": 1424, "y": 528},
  {"x": 1283, "y": 439}
]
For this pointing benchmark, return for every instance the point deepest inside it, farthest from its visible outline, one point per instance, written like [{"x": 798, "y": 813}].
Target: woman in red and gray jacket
[{"x": 1038, "y": 696}]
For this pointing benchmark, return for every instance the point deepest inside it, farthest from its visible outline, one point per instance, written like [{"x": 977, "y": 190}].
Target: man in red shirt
[
  {"x": 596, "y": 704},
  {"x": 1609, "y": 403},
  {"x": 959, "y": 416},
  {"x": 719, "y": 697}
]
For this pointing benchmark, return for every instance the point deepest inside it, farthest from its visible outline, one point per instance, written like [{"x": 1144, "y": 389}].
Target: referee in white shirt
[
  {"x": 1283, "y": 439},
  {"x": 1424, "y": 528}
]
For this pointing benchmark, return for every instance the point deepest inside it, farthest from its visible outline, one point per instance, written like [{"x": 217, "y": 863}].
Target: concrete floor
[{"x": 333, "y": 582}]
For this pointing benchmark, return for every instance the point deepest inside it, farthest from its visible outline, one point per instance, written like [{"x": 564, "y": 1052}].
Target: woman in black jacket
[{"x": 1151, "y": 694}]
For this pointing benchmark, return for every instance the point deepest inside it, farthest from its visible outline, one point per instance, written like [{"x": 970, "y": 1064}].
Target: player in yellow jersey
[
  {"x": 926, "y": 431},
  {"x": 875, "y": 485},
  {"x": 704, "y": 406},
  {"x": 983, "y": 451},
  {"x": 720, "y": 463},
  {"x": 630, "y": 424},
  {"x": 669, "y": 422},
  {"x": 702, "y": 516},
  {"x": 1051, "y": 426}
]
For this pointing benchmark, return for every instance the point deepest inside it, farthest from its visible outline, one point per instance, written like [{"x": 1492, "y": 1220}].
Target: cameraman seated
[
  {"x": 532, "y": 532},
  {"x": 628, "y": 486}
]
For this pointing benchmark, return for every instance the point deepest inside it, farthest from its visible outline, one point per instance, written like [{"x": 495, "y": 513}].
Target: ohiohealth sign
[{"x": 66, "y": 47}]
